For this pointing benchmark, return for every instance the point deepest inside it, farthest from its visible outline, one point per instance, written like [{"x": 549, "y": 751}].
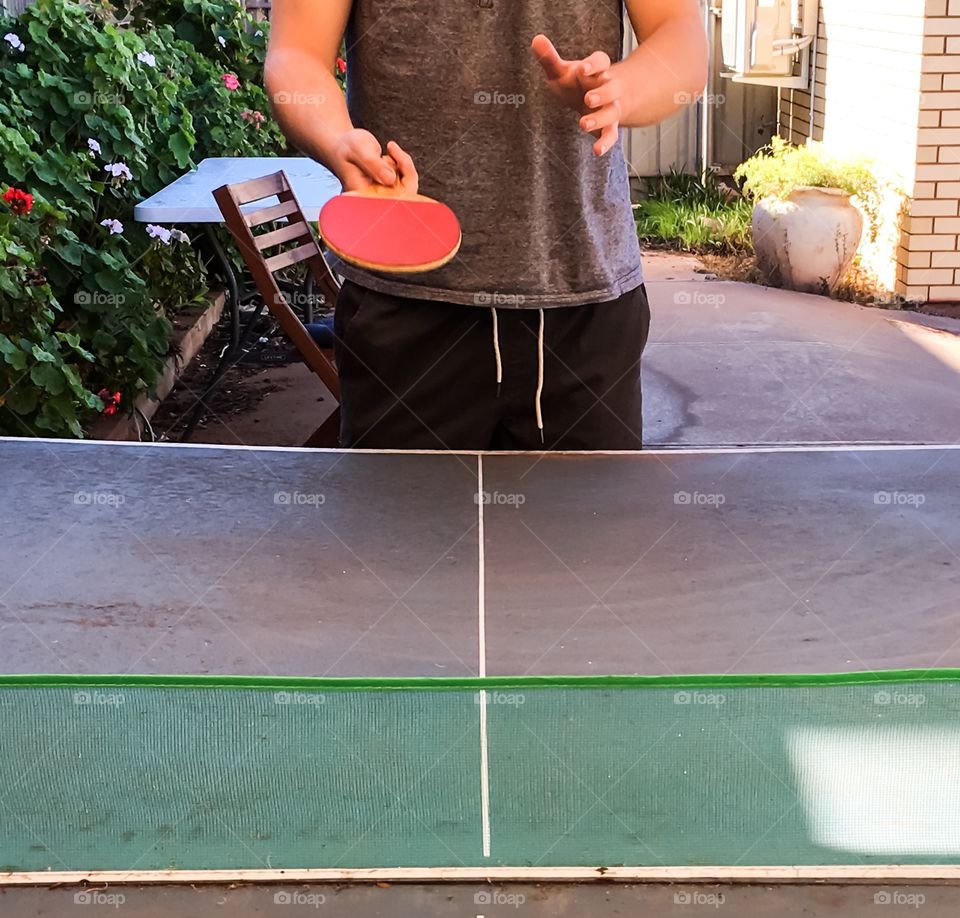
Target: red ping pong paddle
[{"x": 383, "y": 229}]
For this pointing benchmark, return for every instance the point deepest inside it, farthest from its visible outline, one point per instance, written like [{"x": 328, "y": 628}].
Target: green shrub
[
  {"x": 96, "y": 86},
  {"x": 41, "y": 373},
  {"x": 779, "y": 169},
  {"x": 693, "y": 214},
  {"x": 219, "y": 31}
]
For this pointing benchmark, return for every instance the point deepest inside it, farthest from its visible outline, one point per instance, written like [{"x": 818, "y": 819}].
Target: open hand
[{"x": 587, "y": 86}]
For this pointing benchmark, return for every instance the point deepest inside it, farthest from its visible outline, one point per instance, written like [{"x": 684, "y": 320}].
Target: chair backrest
[{"x": 230, "y": 199}]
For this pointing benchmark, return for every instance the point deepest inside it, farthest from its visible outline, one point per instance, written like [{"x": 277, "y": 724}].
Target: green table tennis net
[{"x": 192, "y": 773}]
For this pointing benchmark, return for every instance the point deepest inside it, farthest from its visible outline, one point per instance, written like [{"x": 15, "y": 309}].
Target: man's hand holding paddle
[
  {"x": 359, "y": 162},
  {"x": 381, "y": 222}
]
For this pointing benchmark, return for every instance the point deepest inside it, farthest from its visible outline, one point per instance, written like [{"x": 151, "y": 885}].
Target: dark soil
[{"x": 242, "y": 387}]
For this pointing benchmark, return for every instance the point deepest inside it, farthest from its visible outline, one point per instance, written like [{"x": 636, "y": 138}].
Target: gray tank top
[{"x": 545, "y": 221}]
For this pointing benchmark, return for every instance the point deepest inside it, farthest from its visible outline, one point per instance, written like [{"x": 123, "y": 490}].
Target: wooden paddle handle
[{"x": 388, "y": 191}]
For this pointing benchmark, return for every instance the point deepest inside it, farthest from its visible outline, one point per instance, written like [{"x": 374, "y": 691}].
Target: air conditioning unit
[{"x": 768, "y": 41}]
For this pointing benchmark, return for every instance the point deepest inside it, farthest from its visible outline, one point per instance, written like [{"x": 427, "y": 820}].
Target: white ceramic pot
[{"x": 808, "y": 241}]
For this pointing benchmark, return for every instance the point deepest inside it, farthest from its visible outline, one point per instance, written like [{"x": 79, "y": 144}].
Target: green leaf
[
  {"x": 13, "y": 356},
  {"x": 22, "y": 399},
  {"x": 72, "y": 252},
  {"x": 73, "y": 342},
  {"x": 46, "y": 172},
  {"x": 180, "y": 146},
  {"x": 42, "y": 355},
  {"x": 48, "y": 377},
  {"x": 103, "y": 342},
  {"x": 110, "y": 282},
  {"x": 9, "y": 284},
  {"x": 59, "y": 104}
]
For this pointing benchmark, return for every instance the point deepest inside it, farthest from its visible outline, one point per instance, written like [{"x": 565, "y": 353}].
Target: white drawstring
[
  {"x": 540, "y": 376},
  {"x": 496, "y": 354},
  {"x": 496, "y": 348}
]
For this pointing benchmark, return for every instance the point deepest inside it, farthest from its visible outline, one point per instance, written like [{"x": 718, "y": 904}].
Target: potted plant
[{"x": 806, "y": 230}]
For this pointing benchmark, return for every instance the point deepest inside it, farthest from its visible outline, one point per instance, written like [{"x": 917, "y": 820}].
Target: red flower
[
  {"x": 230, "y": 81},
  {"x": 111, "y": 401},
  {"x": 341, "y": 65},
  {"x": 20, "y": 202}
]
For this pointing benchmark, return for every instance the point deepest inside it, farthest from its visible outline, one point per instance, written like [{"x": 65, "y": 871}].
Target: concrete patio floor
[{"x": 730, "y": 364}]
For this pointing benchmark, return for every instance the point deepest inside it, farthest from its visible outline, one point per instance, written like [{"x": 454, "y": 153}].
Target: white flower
[
  {"x": 222, "y": 40},
  {"x": 93, "y": 145},
  {"x": 159, "y": 232},
  {"x": 14, "y": 41},
  {"x": 115, "y": 226},
  {"x": 179, "y": 236},
  {"x": 258, "y": 33},
  {"x": 145, "y": 57},
  {"x": 119, "y": 170}
]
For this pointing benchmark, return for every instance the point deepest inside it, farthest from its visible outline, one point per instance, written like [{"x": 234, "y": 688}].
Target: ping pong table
[{"x": 192, "y": 560}]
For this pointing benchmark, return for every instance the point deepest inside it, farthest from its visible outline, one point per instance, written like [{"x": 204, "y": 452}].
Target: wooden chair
[{"x": 253, "y": 247}]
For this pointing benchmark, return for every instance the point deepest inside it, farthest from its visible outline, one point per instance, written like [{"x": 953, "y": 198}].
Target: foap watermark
[
  {"x": 498, "y": 897},
  {"x": 301, "y": 298},
  {"x": 98, "y": 499},
  {"x": 99, "y": 897},
  {"x": 298, "y": 499},
  {"x": 698, "y": 298},
  {"x": 298, "y": 98},
  {"x": 98, "y": 298},
  {"x": 496, "y": 298},
  {"x": 508, "y": 699},
  {"x": 89, "y": 99},
  {"x": 899, "y": 897},
  {"x": 299, "y": 699},
  {"x": 714, "y": 699},
  {"x": 711, "y": 900},
  {"x": 98, "y": 699},
  {"x": 298, "y": 897},
  {"x": 500, "y": 498},
  {"x": 698, "y": 499},
  {"x": 495, "y": 97},
  {"x": 899, "y": 499},
  {"x": 888, "y": 300},
  {"x": 708, "y": 98},
  {"x": 902, "y": 699}
]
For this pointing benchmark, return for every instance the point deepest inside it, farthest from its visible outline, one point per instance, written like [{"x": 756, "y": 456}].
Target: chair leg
[{"x": 327, "y": 434}]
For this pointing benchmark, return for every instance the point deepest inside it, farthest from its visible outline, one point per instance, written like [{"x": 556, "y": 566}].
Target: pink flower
[
  {"x": 230, "y": 81},
  {"x": 256, "y": 117},
  {"x": 341, "y": 65}
]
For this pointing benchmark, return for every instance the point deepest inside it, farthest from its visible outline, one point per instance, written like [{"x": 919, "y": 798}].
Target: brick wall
[
  {"x": 888, "y": 85},
  {"x": 930, "y": 257}
]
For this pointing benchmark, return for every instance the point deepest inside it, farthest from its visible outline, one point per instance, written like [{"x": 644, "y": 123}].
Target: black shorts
[{"x": 420, "y": 374}]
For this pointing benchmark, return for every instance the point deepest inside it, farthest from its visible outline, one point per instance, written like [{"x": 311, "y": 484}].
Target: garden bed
[
  {"x": 102, "y": 105},
  {"x": 191, "y": 329}
]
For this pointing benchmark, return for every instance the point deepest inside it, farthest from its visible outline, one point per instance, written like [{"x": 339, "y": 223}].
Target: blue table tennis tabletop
[
  {"x": 189, "y": 199},
  {"x": 196, "y": 559}
]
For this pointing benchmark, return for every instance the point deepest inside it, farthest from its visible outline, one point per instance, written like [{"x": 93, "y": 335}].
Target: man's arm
[
  {"x": 662, "y": 75},
  {"x": 308, "y": 103},
  {"x": 670, "y": 65}
]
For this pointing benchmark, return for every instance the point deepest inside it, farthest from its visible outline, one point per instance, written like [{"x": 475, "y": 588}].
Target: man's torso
[{"x": 545, "y": 221}]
